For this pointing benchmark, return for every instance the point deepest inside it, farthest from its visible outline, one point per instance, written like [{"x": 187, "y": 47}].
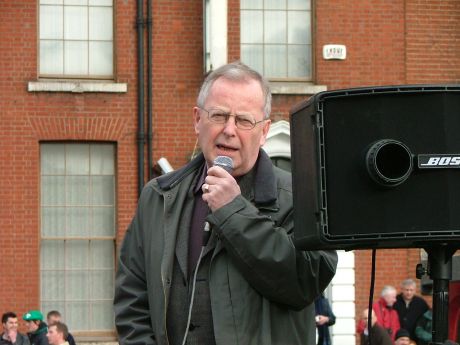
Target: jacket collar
[{"x": 265, "y": 189}]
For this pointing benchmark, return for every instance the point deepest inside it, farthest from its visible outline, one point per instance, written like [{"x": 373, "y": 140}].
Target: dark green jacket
[{"x": 261, "y": 287}]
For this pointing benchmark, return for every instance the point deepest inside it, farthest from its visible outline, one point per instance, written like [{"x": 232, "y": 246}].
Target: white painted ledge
[
  {"x": 76, "y": 86},
  {"x": 295, "y": 88}
]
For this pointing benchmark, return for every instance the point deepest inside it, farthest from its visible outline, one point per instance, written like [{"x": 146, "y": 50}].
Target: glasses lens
[
  {"x": 218, "y": 116},
  {"x": 244, "y": 122}
]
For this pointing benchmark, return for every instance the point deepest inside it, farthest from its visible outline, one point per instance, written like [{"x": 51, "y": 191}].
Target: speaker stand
[{"x": 440, "y": 271}]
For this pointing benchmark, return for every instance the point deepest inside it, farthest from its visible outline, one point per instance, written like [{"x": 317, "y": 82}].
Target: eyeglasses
[{"x": 219, "y": 116}]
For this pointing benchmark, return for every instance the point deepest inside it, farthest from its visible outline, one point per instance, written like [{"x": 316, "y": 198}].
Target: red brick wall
[{"x": 388, "y": 42}]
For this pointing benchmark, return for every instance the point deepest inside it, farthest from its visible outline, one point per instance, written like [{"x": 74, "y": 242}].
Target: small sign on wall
[{"x": 334, "y": 52}]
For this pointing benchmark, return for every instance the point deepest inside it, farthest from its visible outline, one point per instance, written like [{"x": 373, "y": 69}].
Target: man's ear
[{"x": 196, "y": 119}]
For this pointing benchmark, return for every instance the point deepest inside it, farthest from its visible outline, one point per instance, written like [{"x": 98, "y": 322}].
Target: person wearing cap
[
  {"x": 57, "y": 333},
  {"x": 10, "y": 335},
  {"x": 402, "y": 337},
  {"x": 37, "y": 329}
]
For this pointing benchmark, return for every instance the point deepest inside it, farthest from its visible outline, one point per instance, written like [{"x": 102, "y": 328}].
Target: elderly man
[
  {"x": 57, "y": 333},
  {"x": 387, "y": 317},
  {"x": 409, "y": 306},
  {"x": 10, "y": 335},
  {"x": 247, "y": 284}
]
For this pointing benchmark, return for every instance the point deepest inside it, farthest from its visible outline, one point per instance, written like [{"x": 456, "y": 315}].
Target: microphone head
[{"x": 224, "y": 162}]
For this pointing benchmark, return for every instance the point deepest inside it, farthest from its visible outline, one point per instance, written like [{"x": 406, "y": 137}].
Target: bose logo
[{"x": 437, "y": 161}]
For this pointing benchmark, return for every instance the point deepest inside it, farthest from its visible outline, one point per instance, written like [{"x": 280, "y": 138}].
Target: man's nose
[{"x": 230, "y": 125}]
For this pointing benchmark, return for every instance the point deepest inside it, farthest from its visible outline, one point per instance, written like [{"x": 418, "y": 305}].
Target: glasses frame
[{"x": 254, "y": 124}]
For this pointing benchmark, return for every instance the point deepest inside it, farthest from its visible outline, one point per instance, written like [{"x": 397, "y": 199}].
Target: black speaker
[{"x": 377, "y": 168}]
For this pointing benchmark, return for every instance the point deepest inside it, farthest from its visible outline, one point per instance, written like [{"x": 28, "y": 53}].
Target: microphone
[{"x": 224, "y": 162}]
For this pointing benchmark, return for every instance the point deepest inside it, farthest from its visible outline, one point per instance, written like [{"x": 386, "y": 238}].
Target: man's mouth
[{"x": 226, "y": 148}]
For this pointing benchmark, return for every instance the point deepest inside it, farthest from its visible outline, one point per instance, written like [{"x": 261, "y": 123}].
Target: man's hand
[
  {"x": 12, "y": 335},
  {"x": 219, "y": 188}
]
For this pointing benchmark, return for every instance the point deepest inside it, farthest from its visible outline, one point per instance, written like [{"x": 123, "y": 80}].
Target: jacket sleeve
[
  {"x": 264, "y": 253},
  {"x": 328, "y": 312},
  {"x": 131, "y": 305}
]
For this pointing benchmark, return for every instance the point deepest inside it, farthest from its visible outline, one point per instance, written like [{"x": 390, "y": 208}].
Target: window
[
  {"x": 77, "y": 254},
  {"x": 276, "y": 38},
  {"x": 76, "y": 38}
]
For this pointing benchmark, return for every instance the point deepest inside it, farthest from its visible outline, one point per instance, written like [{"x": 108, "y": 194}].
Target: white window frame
[
  {"x": 85, "y": 76},
  {"x": 48, "y": 300}
]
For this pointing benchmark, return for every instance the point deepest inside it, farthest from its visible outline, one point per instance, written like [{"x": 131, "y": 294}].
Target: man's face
[
  {"x": 53, "y": 319},
  {"x": 11, "y": 324},
  {"x": 242, "y": 146},
  {"x": 390, "y": 298},
  {"x": 54, "y": 337},
  {"x": 402, "y": 341},
  {"x": 408, "y": 292},
  {"x": 31, "y": 326}
]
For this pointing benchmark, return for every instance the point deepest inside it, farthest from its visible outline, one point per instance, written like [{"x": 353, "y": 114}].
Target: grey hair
[
  {"x": 236, "y": 71},
  {"x": 387, "y": 289},
  {"x": 408, "y": 282}
]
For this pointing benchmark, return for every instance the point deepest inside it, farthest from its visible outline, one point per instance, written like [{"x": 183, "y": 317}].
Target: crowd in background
[
  {"x": 39, "y": 332},
  {"x": 399, "y": 319}
]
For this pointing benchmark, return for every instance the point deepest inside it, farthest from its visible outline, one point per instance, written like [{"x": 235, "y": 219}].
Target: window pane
[
  {"x": 275, "y": 27},
  {"x": 102, "y": 191},
  {"x": 103, "y": 222},
  {"x": 53, "y": 221},
  {"x": 102, "y": 254},
  {"x": 102, "y": 284},
  {"x": 77, "y": 285},
  {"x": 100, "y": 2},
  {"x": 253, "y": 56},
  {"x": 102, "y": 159},
  {"x": 275, "y": 61},
  {"x": 100, "y": 23},
  {"x": 101, "y": 58},
  {"x": 275, "y": 4},
  {"x": 77, "y": 190},
  {"x": 53, "y": 190},
  {"x": 52, "y": 159},
  {"x": 299, "y": 27},
  {"x": 76, "y": 255},
  {"x": 52, "y": 254},
  {"x": 76, "y": 57},
  {"x": 76, "y": 23},
  {"x": 77, "y": 315},
  {"x": 51, "y": 57},
  {"x": 77, "y": 159},
  {"x": 299, "y": 61},
  {"x": 252, "y": 28},
  {"x": 251, "y": 4},
  {"x": 299, "y": 4},
  {"x": 52, "y": 285},
  {"x": 78, "y": 221},
  {"x": 76, "y": 2},
  {"x": 102, "y": 315},
  {"x": 51, "y": 22}
]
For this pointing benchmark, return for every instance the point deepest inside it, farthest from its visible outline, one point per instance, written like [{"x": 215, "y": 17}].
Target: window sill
[
  {"x": 76, "y": 86},
  {"x": 295, "y": 88}
]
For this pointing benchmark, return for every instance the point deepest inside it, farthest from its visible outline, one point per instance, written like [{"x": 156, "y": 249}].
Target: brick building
[{"x": 70, "y": 134}]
